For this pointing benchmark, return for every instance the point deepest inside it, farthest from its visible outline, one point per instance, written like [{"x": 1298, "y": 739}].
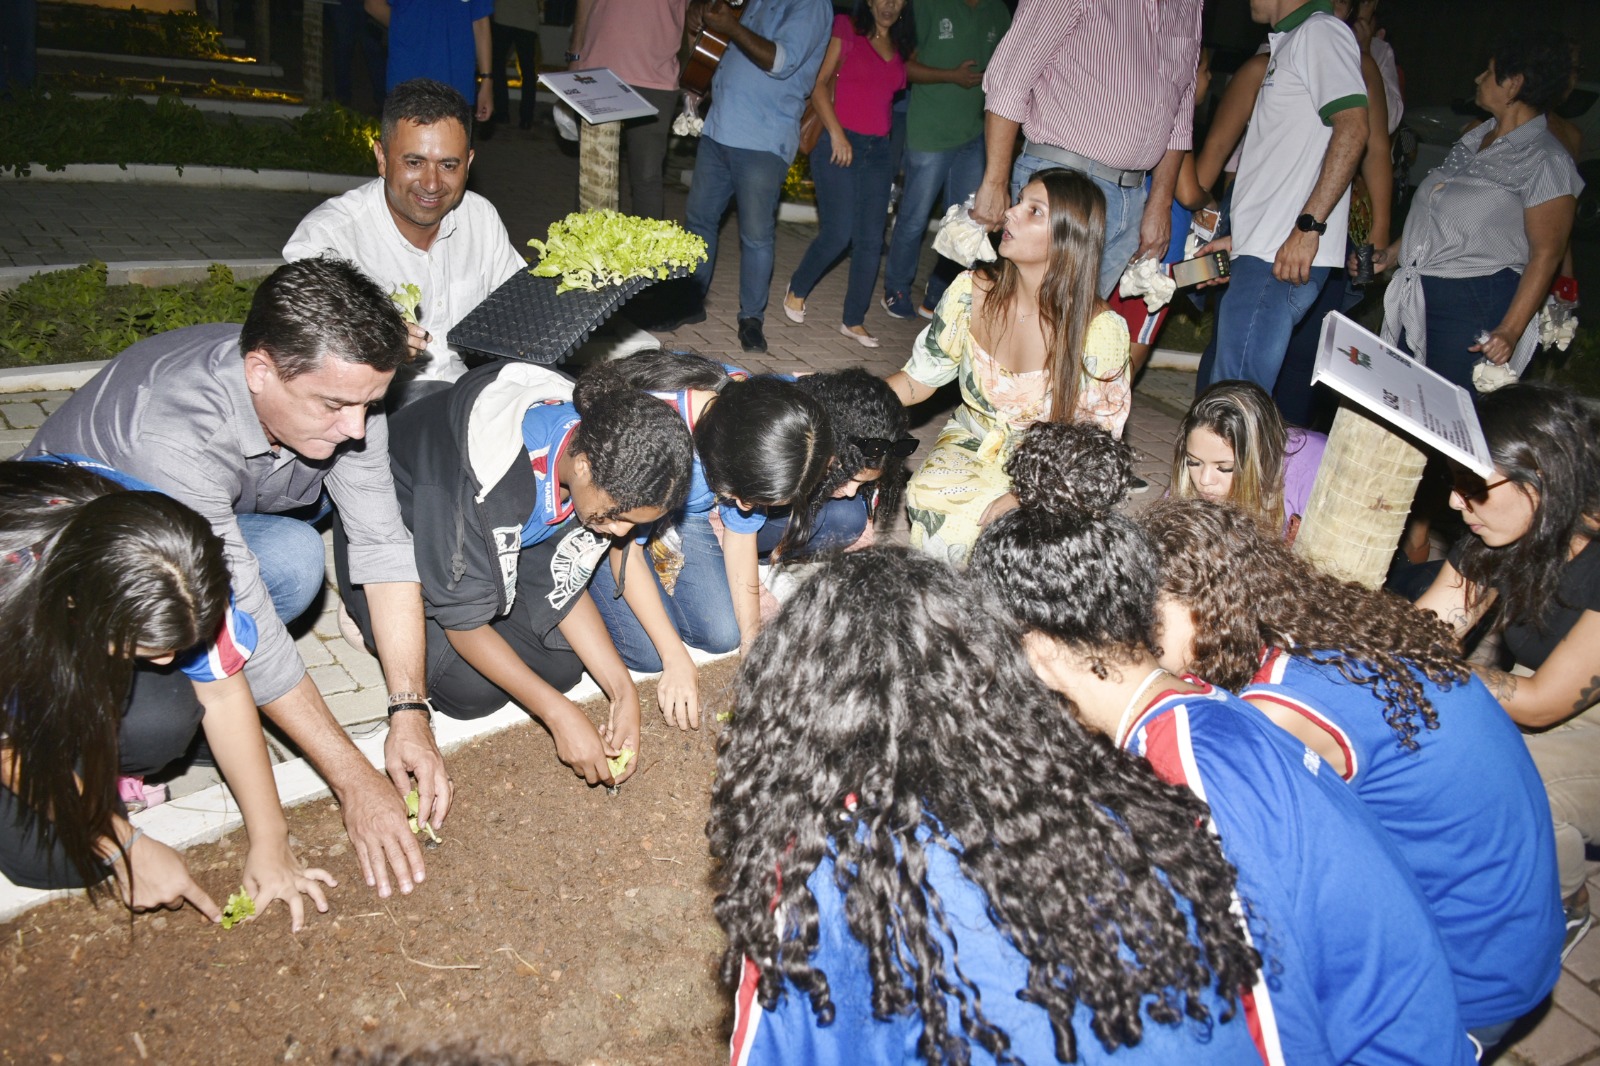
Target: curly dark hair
[
  {"x": 860, "y": 404},
  {"x": 1064, "y": 562},
  {"x": 424, "y": 101},
  {"x": 1543, "y": 58},
  {"x": 1246, "y": 589},
  {"x": 314, "y": 309},
  {"x": 1548, "y": 443},
  {"x": 894, "y": 678},
  {"x": 89, "y": 573},
  {"x": 639, "y": 451}
]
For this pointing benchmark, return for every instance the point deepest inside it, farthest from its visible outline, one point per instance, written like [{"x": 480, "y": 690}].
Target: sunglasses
[
  {"x": 875, "y": 448},
  {"x": 1472, "y": 488}
]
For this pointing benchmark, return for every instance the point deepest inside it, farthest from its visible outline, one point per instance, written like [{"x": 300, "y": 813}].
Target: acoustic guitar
[{"x": 706, "y": 53}]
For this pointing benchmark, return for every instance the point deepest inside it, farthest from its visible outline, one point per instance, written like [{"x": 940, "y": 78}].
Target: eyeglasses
[
  {"x": 875, "y": 448},
  {"x": 1472, "y": 489}
]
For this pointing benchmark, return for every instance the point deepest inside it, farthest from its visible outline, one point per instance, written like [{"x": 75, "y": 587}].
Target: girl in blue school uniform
[
  {"x": 1353, "y": 969},
  {"x": 924, "y": 857},
  {"x": 1374, "y": 687},
  {"x": 786, "y": 467}
]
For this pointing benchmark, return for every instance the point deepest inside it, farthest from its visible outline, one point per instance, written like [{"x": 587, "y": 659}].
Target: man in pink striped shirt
[{"x": 1104, "y": 87}]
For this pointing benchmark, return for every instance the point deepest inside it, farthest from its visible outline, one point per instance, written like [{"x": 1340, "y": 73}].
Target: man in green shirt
[{"x": 944, "y": 134}]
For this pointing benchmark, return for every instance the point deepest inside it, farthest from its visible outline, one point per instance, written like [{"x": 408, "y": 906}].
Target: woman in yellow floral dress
[{"x": 1030, "y": 340}]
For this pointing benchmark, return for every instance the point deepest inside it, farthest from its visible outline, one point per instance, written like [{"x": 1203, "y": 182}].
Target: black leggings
[{"x": 161, "y": 718}]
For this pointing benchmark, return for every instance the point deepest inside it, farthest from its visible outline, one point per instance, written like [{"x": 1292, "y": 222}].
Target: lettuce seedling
[{"x": 240, "y": 906}]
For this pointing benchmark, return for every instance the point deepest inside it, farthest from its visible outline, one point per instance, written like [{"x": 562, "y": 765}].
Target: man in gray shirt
[{"x": 246, "y": 424}]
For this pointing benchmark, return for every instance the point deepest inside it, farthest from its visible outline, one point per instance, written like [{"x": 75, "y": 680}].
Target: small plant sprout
[
  {"x": 620, "y": 763},
  {"x": 413, "y": 808},
  {"x": 240, "y": 906},
  {"x": 408, "y": 298}
]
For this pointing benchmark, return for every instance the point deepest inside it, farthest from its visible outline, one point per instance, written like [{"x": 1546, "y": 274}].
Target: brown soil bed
[{"x": 585, "y": 920}]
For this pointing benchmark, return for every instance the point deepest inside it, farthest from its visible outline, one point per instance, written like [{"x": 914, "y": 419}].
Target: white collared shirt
[{"x": 471, "y": 256}]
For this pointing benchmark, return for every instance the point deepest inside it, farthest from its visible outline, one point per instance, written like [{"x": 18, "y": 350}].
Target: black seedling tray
[{"x": 525, "y": 319}]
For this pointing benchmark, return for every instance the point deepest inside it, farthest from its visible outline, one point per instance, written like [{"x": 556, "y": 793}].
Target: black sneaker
[
  {"x": 751, "y": 339},
  {"x": 690, "y": 316},
  {"x": 1579, "y": 920},
  {"x": 1138, "y": 485}
]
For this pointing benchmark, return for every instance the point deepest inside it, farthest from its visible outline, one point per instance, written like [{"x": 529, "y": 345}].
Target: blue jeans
[
  {"x": 1297, "y": 399},
  {"x": 1124, "y": 211},
  {"x": 957, "y": 172},
  {"x": 290, "y": 555},
  {"x": 1458, "y": 310},
  {"x": 700, "y": 606},
  {"x": 752, "y": 180},
  {"x": 852, "y": 203},
  {"x": 1254, "y": 320},
  {"x": 839, "y": 524}
]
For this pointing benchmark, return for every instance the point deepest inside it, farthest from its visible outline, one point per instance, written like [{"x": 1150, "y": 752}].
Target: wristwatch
[
  {"x": 483, "y": 77},
  {"x": 571, "y": 57},
  {"x": 1307, "y": 223}
]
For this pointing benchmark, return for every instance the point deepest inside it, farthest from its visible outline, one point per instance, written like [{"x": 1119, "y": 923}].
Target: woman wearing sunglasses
[{"x": 1532, "y": 566}]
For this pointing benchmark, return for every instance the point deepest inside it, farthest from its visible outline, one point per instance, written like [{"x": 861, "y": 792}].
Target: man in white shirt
[
  {"x": 1291, "y": 203},
  {"x": 416, "y": 223}
]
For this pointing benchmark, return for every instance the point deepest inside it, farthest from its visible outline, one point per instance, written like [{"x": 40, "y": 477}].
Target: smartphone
[{"x": 1200, "y": 268}]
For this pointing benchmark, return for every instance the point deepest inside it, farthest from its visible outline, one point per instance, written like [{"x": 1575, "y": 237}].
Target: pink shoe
[
  {"x": 136, "y": 795},
  {"x": 863, "y": 338}
]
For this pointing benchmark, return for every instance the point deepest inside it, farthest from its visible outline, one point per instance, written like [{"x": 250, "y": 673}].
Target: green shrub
[
  {"x": 57, "y": 130},
  {"x": 72, "y": 316},
  {"x": 176, "y": 34}
]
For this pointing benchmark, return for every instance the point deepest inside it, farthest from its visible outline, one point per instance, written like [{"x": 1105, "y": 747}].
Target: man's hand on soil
[
  {"x": 375, "y": 818},
  {"x": 411, "y": 750}
]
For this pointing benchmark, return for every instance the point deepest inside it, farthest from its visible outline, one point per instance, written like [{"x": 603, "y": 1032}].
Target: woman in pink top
[{"x": 851, "y": 166}]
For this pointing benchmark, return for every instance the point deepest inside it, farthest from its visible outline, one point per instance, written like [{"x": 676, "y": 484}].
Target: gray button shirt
[
  {"x": 174, "y": 411},
  {"x": 1466, "y": 221}
]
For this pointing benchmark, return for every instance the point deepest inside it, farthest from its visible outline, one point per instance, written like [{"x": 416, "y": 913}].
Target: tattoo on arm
[
  {"x": 1502, "y": 684},
  {"x": 1588, "y": 695}
]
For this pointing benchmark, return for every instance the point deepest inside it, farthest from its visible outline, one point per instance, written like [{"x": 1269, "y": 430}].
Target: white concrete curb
[
  {"x": 260, "y": 70},
  {"x": 219, "y": 105},
  {"x": 198, "y": 177},
  {"x": 210, "y": 813}
]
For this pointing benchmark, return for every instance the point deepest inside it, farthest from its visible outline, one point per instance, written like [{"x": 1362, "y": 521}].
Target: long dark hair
[
  {"x": 1245, "y": 589},
  {"x": 1069, "y": 295},
  {"x": 1548, "y": 443},
  {"x": 89, "y": 573},
  {"x": 765, "y": 440},
  {"x": 903, "y": 34},
  {"x": 1065, "y": 563},
  {"x": 892, "y": 678},
  {"x": 861, "y": 405}
]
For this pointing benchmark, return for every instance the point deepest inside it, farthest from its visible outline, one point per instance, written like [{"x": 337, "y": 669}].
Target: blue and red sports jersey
[
  {"x": 547, "y": 429},
  {"x": 1466, "y": 810},
  {"x": 1353, "y": 970},
  {"x": 235, "y": 641},
  {"x": 790, "y": 1033}
]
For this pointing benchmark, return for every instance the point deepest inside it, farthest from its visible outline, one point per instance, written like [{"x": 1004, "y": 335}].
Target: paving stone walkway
[{"x": 532, "y": 181}]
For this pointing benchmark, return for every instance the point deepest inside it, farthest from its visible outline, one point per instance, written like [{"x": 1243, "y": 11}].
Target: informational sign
[
  {"x": 598, "y": 95},
  {"x": 1401, "y": 391}
]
